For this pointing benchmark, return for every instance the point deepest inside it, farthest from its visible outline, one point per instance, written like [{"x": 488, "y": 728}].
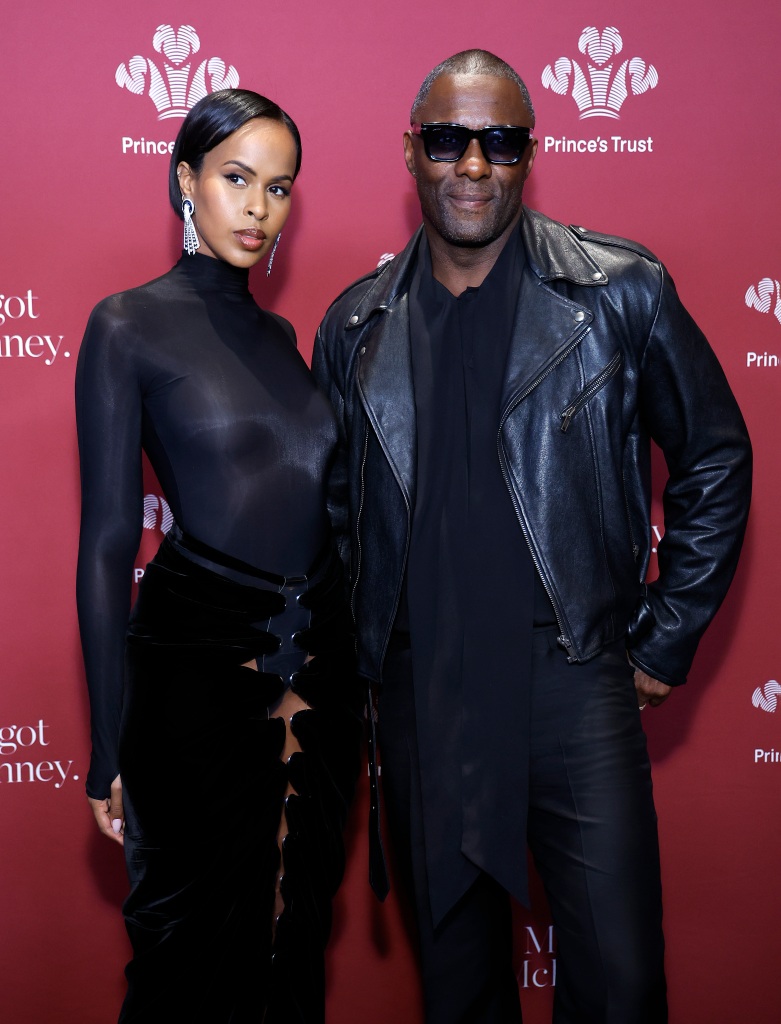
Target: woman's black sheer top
[{"x": 212, "y": 387}]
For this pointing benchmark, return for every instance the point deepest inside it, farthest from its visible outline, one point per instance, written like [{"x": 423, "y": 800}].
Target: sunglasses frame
[{"x": 419, "y": 129}]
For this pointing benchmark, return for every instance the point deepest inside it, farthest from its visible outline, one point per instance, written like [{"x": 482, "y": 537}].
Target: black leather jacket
[{"x": 603, "y": 359}]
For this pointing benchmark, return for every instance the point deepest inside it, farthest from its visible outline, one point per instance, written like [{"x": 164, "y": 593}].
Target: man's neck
[{"x": 460, "y": 267}]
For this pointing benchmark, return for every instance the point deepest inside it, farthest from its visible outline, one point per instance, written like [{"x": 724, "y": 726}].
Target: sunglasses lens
[
  {"x": 504, "y": 145},
  {"x": 446, "y": 142}
]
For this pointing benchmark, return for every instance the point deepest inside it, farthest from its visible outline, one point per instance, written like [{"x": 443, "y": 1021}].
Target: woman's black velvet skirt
[{"x": 204, "y": 785}]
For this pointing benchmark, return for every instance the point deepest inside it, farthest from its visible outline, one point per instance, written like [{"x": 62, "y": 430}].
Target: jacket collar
[
  {"x": 553, "y": 251},
  {"x": 385, "y": 374},
  {"x": 548, "y": 325},
  {"x": 392, "y": 278}
]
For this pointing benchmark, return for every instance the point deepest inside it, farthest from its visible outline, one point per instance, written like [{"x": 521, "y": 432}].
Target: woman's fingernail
[{"x": 116, "y": 824}]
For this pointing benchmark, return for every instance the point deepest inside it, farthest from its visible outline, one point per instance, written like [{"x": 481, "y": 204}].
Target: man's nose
[{"x": 473, "y": 163}]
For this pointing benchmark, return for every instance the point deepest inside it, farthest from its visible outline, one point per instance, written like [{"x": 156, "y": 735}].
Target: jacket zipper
[
  {"x": 635, "y": 547},
  {"x": 565, "y": 641},
  {"x": 590, "y": 390},
  {"x": 562, "y": 639},
  {"x": 358, "y": 519}
]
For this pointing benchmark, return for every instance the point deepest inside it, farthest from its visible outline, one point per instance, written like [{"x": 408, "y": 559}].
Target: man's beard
[{"x": 467, "y": 232}]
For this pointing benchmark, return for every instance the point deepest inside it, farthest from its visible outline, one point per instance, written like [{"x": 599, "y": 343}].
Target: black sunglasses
[{"x": 500, "y": 143}]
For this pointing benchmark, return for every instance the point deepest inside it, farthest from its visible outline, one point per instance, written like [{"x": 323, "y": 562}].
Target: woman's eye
[
  {"x": 279, "y": 190},
  {"x": 235, "y": 179}
]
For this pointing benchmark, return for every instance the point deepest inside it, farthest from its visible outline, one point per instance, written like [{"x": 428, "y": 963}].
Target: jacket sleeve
[
  {"x": 691, "y": 413},
  {"x": 331, "y": 383},
  {"x": 108, "y": 417}
]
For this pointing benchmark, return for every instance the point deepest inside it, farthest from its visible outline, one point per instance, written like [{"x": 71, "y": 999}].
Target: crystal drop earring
[
  {"x": 273, "y": 251},
  {"x": 191, "y": 242}
]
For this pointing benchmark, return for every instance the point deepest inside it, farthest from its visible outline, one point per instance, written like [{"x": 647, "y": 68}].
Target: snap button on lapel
[
  {"x": 353, "y": 319},
  {"x": 580, "y": 316}
]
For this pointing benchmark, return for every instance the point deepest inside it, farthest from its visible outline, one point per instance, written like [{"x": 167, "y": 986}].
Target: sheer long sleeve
[{"x": 108, "y": 414}]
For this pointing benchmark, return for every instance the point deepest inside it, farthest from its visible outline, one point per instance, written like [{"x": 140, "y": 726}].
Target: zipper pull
[{"x": 566, "y": 418}]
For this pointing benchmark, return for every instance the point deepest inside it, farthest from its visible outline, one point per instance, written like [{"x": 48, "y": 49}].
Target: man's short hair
[{"x": 471, "y": 62}]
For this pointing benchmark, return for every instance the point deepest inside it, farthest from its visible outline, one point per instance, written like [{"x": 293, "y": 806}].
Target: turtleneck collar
[{"x": 206, "y": 273}]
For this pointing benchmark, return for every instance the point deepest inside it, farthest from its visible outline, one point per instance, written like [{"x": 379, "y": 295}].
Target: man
[{"x": 498, "y": 384}]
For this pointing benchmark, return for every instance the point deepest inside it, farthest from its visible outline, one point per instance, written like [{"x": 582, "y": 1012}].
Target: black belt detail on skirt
[
  {"x": 199, "y": 597},
  {"x": 222, "y": 561}
]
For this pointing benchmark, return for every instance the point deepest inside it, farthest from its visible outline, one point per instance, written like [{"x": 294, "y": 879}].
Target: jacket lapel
[
  {"x": 384, "y": 371},
  {"x": 387, "y": 392},
  {"x": 546, "y": 327}
]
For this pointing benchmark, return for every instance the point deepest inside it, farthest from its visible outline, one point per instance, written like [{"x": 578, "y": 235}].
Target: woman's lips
[{"x": 251, "y": 238}]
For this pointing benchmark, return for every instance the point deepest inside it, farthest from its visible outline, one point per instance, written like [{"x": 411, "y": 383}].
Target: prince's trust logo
[
  {"x": 174, "y": 90},
  {"x": 599, "y": 89},
  {"x": 157, "y": 513},
  {"x": 157, "y": 516},
  {"x": 765, "y": 298},
  {"x": 174, "y": 87},
  {"x": 766, "y": 698}
]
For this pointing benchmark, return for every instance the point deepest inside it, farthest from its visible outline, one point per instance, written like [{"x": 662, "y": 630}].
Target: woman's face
[{"x": 242, "y": 192}]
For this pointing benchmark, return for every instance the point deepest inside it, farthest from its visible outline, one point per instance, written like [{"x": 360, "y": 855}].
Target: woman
[{"x": 224, "y": 726}]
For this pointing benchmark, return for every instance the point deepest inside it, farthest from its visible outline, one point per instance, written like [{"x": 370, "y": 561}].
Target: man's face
[{"x": 470, "y": 203}]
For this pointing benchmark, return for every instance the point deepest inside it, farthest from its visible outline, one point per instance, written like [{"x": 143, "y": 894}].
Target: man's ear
[
  {"x": 409, "y": 154},
  {"x": 530, "y": 158}
]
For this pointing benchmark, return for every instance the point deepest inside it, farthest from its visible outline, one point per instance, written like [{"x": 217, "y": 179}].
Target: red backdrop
[{"x": 663, "y": 128}]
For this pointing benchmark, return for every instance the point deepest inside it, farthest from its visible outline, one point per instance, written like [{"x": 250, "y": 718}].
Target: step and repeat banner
[{"x": 657, "y": 122}]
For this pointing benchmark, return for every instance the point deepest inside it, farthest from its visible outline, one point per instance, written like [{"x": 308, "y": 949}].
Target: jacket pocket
[{"x": 594, "y": 385}]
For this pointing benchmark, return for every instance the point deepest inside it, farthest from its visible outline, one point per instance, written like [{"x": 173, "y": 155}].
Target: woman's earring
[
  {"x": 191, "y": 242},
  {"x": 271, "y": 257}
]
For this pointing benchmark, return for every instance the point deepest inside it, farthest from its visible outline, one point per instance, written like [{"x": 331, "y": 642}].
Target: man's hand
[
  {"x": 649, "y": 690},
  {"x": 109, "y": 814}
]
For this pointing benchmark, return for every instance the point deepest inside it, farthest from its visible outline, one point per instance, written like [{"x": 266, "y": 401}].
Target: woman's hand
[{"x": 109, "y": 813}]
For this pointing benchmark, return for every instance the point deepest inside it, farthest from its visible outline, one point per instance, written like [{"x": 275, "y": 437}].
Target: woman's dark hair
[{"x": 211, "y": 121}]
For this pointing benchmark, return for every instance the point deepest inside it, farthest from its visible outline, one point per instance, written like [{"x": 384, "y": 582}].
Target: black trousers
[{"x": 592, "y": 832}]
